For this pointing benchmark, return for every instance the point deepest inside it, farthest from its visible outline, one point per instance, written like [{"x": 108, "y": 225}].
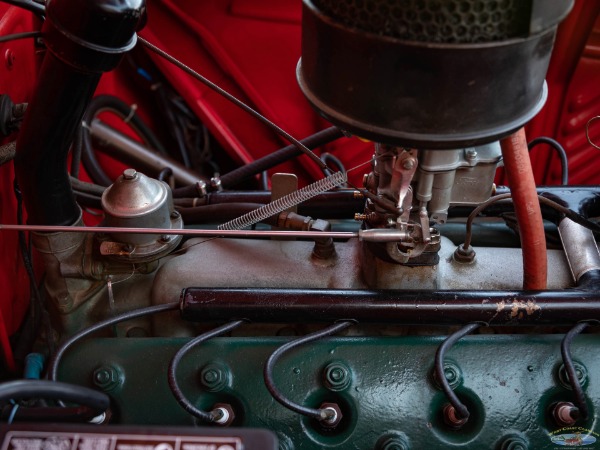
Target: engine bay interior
[{"x": 354, "y": 224}]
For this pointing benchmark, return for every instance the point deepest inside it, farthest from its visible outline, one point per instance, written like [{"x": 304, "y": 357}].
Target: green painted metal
[{"x": 384, "y": 386}]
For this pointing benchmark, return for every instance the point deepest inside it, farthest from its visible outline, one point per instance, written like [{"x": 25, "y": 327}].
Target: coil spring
[{"x": 285, "y": 202}]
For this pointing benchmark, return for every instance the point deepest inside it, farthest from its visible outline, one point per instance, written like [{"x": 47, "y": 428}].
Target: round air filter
[{"x": 438, "y": 74}]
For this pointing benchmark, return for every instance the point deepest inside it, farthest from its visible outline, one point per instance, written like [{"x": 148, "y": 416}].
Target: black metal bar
[{"x": 565, "y": 307}]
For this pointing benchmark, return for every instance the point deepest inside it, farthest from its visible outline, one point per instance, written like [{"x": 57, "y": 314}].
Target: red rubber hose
[{"x": 527, "y": 208}]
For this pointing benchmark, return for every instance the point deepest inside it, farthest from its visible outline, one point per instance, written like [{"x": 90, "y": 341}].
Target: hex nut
[
  {"x": 451, "y": 372},
  {"x": 108, "y": 378},
  {"x": 580, "y": 371},
  {"x": 337, "y": 376},
  {"x": 464, "y": 256},
  {"x": 392, "y": 441},
  {"x": 214, "y": 377}
]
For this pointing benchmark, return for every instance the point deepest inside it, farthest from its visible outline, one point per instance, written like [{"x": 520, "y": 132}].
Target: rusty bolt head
[
  {"x": 464, "y": 256},
  {"x": 223, "y": 413},
  {"x": 333, "y": 415},
  {"x": 565, "y": 414},
  {"x": 451, "y": 418}
]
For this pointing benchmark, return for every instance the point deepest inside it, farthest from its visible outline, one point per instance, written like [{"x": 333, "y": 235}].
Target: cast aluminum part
[
  {"x": 288, "y": 264},
  {"x": 580, "y": 248},
  {"x": 428, "y": 182},
  {"x": 137, "y": 201},
  {"x": 456, "y": 177}
]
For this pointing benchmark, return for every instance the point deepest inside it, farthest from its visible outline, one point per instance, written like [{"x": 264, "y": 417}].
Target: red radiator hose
[{"x": 527, "y": 209}]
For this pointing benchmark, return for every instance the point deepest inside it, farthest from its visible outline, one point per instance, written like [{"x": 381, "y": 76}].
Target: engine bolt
[
  {"x": 285, "y": 443},
  {"x": 175, "y": 215},
  {"x": 108, "y": 378},
  {"x": 408, "y": 164},
  {"x": 452, "y": 374},
  {"x": 580, "y": 371},
  {"x": 464, "y": 256},
  {"x": 514, "y": 443},
  {"x": 470, "y": 154},
  {"x": 129, "y": 174},
  {"x": 451, "y": 419},
  {"x": 337, "y": 376},
  {"x": 214, "y": 377},
  {"x": 565, "y": 414},
  {"x": 165, "y": 238},
  {"x": 392, "y": 441}
]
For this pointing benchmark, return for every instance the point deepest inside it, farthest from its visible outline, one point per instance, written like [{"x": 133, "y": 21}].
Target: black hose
[
  {"x": 284, "y": 154},
  {"x": 461, "y": 410},
  {"x": 125, "y": 112},
  {"x": 164, "y": 174},
  {"x": 318, "y": 414},
  {"x": 57, "y": 356},
  {"x": 76, "y": 150},
  {"x": 333, "y": 162},
  {"x": 240, "y": 174},
  {"x": 172, "y": 372},
  {"x": 562, "y": 154},
  {"x": 87, "y": 200},
  {"x": 89, "y": 188},
  {"x": 50, "y": 414},
  {"x": 36, "y": 8},
  {"x": 220, "y": 213},
  {"x": 565, "y": 350},
  {"x": 54, "y": 390}
]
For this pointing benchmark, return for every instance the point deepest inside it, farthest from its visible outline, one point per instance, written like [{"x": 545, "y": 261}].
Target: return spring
[{"x": 285, "y": 202}]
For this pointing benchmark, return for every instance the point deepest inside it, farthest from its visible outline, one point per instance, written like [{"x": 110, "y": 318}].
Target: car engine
[{"x": 189, "y": 275}]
